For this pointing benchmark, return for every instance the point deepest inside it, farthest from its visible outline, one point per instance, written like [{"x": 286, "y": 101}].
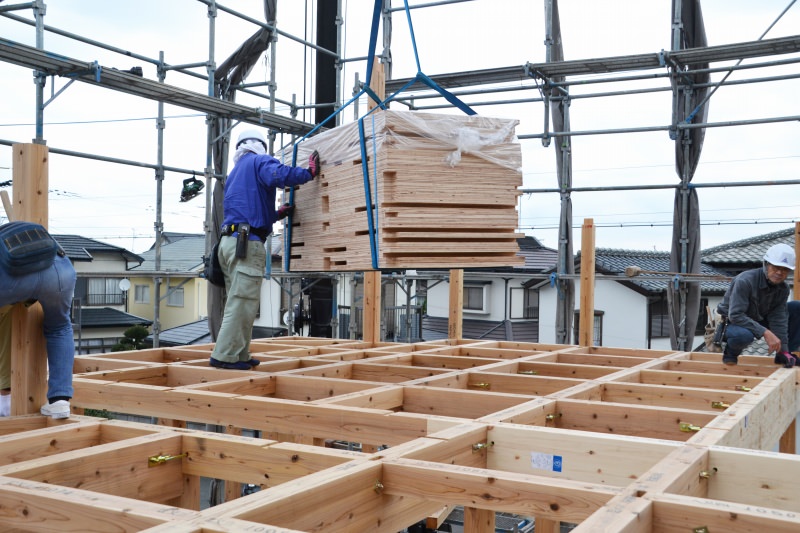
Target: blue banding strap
[{"x": 373, "y": 245}]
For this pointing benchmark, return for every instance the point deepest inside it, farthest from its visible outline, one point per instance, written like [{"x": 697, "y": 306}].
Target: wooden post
[
  {"x": 372, "y": 306},
  {"x": 28, "y": 349},
  {"x": 788, "y": 441},
  {"x": 586, "y": 333},
  {"x": 454, "y": 325},
  {"x": 372, "y": 278},
  {"x": 478, "y": 520}
]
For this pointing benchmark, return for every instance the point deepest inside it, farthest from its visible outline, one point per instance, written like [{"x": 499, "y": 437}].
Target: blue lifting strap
[{"x": 372, "y": 210}]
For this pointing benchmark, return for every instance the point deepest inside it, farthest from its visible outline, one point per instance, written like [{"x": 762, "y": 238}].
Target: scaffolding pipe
[
  {"x": 431, "y": 4},
  {"x": 107, "y": 159},
  {"x": 39, "y": 76},
  {"x": 665, "y": 186},
  {"x": 750, "y": 122},
  {"x": 270, "y": 27}
]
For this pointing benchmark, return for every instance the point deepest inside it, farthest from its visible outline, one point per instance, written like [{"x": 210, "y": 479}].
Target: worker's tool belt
[
  {"x": 26, "y": 247},
  {"x": 261, "y": 233}
]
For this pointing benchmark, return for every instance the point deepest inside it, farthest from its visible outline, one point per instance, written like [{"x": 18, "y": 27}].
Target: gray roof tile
[
  {"x": 182, "y": 255},
  {"x": 615, "y": 261},
  {"x": 747, "y": 251},
  {"x": 83, "y": 249},
  {"x": 108, "y": 317}
]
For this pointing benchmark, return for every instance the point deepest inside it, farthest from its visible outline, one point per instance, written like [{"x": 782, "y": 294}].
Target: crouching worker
[
  {"x": 249, "y": 213},
  {"x": 33, "y": 267},
  {"x": 755, "y": 306}
]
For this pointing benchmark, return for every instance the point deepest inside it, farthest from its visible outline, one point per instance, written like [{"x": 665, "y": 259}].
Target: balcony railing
[{"x": 397, "y": 325}]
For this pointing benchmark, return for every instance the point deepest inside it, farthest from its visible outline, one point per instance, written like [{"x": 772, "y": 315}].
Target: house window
[
  {"x": 523, "y": 303},
  {"x": 660, "y": 322},
  {"x": 597, "y": 334},
  {"x": 141, "y": 294},
  {"x": 475, "y": 299},
  {"x": 175, "y": 297},
  {"x": 104, "y": 291},
  {"x": 530, "y": 304}
]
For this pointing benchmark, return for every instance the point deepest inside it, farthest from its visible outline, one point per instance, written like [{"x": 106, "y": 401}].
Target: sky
[{"x": 117, "y": 204}]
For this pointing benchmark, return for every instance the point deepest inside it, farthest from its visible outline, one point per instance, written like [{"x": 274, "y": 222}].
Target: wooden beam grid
[{"x": 609, "y": 439}]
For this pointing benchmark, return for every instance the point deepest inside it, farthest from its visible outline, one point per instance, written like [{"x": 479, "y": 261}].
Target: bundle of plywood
[{"x": 442, "y": 191}]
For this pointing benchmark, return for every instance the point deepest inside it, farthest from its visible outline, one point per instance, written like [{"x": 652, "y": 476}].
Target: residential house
[
  {"x": 499, "y": 303},
  {"x": 182, "y": 293},
  {"x": 99, "y": 308},
  {"x": 631, "y": 312}
]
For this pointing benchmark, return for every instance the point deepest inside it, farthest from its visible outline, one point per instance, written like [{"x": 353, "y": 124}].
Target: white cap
[
  {"x": 248, "y": 135},
  {"x": 780, "y": 255}
]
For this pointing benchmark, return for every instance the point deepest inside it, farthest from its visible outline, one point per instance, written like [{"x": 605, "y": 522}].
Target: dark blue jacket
[{"x": 251, "y": 189}]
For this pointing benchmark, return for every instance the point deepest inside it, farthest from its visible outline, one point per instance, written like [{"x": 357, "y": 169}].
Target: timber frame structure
[{"x": 616, "y": 440}]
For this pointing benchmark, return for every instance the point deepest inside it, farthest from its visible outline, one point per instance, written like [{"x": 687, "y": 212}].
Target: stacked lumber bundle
[{"x": 443, "y": 190}]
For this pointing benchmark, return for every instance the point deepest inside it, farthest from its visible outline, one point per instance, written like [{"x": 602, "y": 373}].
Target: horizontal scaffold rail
[
  {"x": 58, "y": 65},
  {"x": 690, "y": 56}
]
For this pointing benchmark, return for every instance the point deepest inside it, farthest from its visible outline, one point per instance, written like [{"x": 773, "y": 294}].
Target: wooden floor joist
[{"x": 616, "y": 440}]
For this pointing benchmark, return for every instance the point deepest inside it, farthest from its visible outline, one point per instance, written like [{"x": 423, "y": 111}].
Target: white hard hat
[
  {"x": 254, "y": 135},
  {"x": 781, "y": 255}
]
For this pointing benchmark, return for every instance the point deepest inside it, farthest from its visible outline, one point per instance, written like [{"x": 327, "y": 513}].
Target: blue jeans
[
  {"x": 738, "y": 338},
  {"x": 53, "y": 287},
  {"x": 794, "y": 326}
]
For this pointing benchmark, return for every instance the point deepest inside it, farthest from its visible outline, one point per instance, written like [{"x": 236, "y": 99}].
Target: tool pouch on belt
[
  {"x": 719, "y": 333},
  {"x": 26, "y": 247},
  {"x": 241, "y": 240},
  {"x": 212, "y": 270}
]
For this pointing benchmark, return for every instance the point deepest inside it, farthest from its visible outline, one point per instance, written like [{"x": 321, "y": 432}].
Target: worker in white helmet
[
  {"x": 249, "y": 213},
  {"x": 755, "y": 306}
]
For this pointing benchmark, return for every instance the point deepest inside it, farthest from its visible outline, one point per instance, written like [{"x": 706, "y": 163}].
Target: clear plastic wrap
[{"x": 491, "y": 139}]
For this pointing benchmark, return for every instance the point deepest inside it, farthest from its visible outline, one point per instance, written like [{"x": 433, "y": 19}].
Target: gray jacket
[{"x": 757, "y": 305}]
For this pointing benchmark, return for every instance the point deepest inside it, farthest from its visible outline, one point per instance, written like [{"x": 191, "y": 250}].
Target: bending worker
[
  {"x": 755, "y": 306},
  {"x": 50, "y": 280},
  {"x": 249, "y": 212}
]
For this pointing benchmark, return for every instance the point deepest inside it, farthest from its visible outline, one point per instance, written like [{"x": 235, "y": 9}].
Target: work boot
[
  {"x": 238, "y": 365},
  {"x": 728, "y": 359}
]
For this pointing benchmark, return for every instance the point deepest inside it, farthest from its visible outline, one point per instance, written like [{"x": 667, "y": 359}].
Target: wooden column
[
  {"x": 478, "y": 520},
  {"x": 454, "y": 325},
  {"x": 372, "y": 306},
  {"x": 28, "y": 351},
  {"x": 788, "y": 441},
  {"x": 372, "y": 278},
  {"x": 586, "y": 333}
]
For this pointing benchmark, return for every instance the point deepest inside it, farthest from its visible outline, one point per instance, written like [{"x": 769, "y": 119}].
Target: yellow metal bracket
[
  {"x": 720, "y": 405},
  {"x": 481, "y": 446},
  {"x": 688, "y": 427},
  {"x": 528, "y": 372},
  {"x": 158, "y": 460},
  {"x": 481, "y": 385}
]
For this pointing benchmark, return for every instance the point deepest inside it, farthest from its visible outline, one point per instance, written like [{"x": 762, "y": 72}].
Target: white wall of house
[
  {"x": 624, "y": 318},
  {"x": 270, "y": 314},
  {"x": 102, "y": 262},
  {"x": 493, "y": 297},
  {"x": 624, "y": 314}
]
